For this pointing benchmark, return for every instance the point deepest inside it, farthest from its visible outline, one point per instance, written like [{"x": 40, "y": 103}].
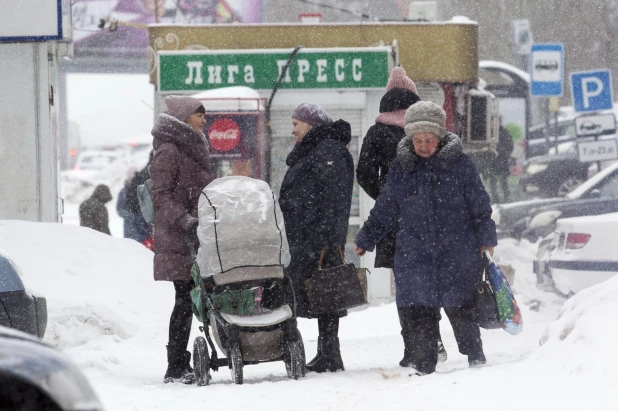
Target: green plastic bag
[{"x": 236, "y": 302}]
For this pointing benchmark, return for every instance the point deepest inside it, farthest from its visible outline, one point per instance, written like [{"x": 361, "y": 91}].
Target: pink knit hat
[{"x": 399, "y": 79}]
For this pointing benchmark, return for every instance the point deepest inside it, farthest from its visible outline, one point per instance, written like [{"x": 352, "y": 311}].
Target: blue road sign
[
  {"x": 592, "y": 90},
  {"x": 546, "y": 70}
]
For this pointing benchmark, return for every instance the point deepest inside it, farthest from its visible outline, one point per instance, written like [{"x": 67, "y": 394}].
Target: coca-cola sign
[{"x": 224, "y": 135}]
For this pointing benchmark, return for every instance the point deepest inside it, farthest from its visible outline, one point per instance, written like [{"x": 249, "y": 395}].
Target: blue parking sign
[{"x": 592, "y": 90}]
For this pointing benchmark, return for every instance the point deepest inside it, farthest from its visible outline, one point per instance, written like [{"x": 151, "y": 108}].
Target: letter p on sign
[{"x": 592, "y": 90}]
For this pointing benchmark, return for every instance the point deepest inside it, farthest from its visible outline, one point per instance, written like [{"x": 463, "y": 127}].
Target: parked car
[
  {"x": 18, "y": 308},
  {"x": 537, "y": 218},
  {"x": 579, "y": 254},
  {"x": 553, "y": 175},
  {"x": 105, "y": 166},
  {"x": 36, "y": 376}
]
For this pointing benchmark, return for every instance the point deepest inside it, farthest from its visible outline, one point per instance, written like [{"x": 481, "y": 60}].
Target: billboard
[
  {"x": 124, "y": 22},
  {"x": 34, "y": 20}
]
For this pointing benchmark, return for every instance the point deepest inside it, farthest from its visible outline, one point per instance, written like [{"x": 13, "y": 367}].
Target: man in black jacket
[
  {"x": 132, "y": 203},
  {"x": 315, "y": 199},
  {"x": 501, "y": 167},
  {"x": 93, "y": 213}
]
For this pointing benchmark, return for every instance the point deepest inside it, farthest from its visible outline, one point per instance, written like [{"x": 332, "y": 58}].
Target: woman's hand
[
  {"x": 359, "y": 251},
  {"x": 488, "y": 248}
]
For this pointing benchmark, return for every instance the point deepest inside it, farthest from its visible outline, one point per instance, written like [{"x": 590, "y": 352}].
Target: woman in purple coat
[{"x": 180, "y": 170}]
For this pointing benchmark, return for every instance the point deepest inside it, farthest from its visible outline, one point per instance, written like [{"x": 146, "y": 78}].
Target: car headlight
[
  {"x": 536, "y": 168},
  {"x": 544, "y": 218}
]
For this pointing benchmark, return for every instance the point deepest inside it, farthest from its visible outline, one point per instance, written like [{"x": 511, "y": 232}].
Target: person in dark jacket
[
  {"x": 135, "y": 227},
  {"x": 378, "y": 151},
  {"x": 180, "y": 170},
  {"x": 435, "y": 199},
  {"x": 93, "y": 213},
  {"x": 380, "y": 148},
  {"x": 140, "y": 178},
  {"x": 315, "y": 199},
  {"x": 501, "y": 167}
]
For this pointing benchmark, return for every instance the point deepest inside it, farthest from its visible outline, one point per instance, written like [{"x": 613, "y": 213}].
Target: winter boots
[
  {"x": 329, "y": 354},
  {"x": 406, "y": 361},
  {"x": 476, "y": 360},
  {"x": 329, "y": 359},
  {"x": 178, "y": 368},
  {"x": 318, "y": 355}
]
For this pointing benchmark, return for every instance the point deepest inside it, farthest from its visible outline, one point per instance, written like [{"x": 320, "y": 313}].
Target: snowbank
[
  {"x": 582, "y": 339},
  {"x": 95, "y": 285},
  {"x": 111, "y": 318}
]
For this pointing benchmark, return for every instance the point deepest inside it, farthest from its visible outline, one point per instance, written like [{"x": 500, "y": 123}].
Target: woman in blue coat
[{"x": 436, "y": 201}]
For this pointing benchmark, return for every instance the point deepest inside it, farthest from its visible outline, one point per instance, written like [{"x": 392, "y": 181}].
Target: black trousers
[
  {"x": 420, "y": 331},
  {"x": 182, "y": 315}
]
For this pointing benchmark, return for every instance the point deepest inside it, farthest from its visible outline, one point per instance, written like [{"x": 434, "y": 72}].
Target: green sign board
[{"x": 359, "y": 68}]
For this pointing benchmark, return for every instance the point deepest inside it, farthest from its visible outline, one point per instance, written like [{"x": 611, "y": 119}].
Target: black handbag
[
  {"x": 335, "y": 289},
  {"x": 486, "y": 308}
]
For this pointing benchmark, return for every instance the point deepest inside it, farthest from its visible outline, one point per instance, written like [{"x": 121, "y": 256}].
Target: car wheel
[{"x": 568, "y": 185}]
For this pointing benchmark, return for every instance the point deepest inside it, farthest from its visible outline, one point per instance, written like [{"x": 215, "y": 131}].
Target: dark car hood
[
  {"x": 41, "y": 365},
  {"x": 513, "y": 212}
]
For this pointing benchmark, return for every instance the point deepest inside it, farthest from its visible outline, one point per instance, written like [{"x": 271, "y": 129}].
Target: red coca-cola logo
[{"x": 224, "y": 135}]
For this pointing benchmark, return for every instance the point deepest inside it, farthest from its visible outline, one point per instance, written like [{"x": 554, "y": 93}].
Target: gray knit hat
[
  {"x": 181, "y": 107},
  {"x": 425, "y": 117}
]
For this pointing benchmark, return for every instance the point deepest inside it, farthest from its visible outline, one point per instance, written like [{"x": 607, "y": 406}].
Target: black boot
[
  {"x": 331, "y": 356},
  {"x": 329, "y": 353},
  {"x": 318, "y": 355},
  {"x": 476, "y": 359},
  {"x": 406, "y": 361},
  {"x": 178, "y": 367}
]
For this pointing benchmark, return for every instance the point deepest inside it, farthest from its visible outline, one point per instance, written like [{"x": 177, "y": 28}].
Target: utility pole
[{"x": 156, "y": 10}]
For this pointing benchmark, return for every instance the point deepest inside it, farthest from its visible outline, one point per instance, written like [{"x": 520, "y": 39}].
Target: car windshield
[
  {"x": 9, "y": 279},
  {"x": 587, "y": 186}
]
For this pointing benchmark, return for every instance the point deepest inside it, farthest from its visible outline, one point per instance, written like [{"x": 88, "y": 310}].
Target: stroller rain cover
[{"x": 240, "y": 225}]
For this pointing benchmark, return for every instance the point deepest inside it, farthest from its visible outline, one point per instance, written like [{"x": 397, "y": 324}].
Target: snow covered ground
[{"x": 111, "y": 318}]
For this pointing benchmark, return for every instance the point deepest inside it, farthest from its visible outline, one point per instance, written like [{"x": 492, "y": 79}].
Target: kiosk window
[{"x": 478, "y": 118}]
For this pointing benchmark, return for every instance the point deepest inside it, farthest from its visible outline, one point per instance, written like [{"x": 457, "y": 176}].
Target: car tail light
[{"x": 575, "y": 241}]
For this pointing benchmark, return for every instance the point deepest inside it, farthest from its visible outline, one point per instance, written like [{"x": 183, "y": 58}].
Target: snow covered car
[
  {"x": 536, "y": 218},
  {"x": 18, "y": 308},
  {"x": 36, "y": 376},
  {"x": 580, "y": 253},
  {"x": 93, "y": 167}
]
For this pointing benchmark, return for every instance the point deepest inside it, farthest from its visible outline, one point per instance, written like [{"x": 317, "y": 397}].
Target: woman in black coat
[
  {"x": 380, "y": 148},
  {"x": 315, "y": 198}
]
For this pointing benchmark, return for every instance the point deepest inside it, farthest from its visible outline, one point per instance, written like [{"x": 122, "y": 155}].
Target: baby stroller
[{"x": 245, "y": 295}]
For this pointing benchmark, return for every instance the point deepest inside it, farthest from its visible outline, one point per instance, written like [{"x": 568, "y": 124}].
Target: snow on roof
[
  {"x": 505, "y": 66},
  {"x": 592, "y": 219},
  {"x": 237, "y": 98}
]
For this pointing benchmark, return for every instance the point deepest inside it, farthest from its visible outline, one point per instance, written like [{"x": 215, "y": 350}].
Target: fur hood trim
[{"x": 449, "y": 151}]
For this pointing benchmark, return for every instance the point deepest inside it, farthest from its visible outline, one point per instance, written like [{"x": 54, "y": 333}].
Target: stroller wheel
[
  {"x": 235, "y": 360},
  {"x": 295, "y": 359},
  {"x": 201, "y": 362}
]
